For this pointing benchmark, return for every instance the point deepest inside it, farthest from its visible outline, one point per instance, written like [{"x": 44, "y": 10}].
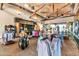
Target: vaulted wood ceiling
[
  {"x": 52, "y": 10},
  {"x": 47, "y": 11}
]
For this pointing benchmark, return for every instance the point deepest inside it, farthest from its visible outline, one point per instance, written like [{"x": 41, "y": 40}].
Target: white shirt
[{"x": 42, "y": 48}]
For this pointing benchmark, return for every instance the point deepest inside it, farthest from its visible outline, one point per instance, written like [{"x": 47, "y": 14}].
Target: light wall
[
  {"x": 8, "y": 14},
  {"x": 5, "y": 19}
]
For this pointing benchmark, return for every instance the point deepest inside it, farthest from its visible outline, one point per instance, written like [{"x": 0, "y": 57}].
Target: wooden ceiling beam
[
  {"x": 53, "y": 7},
  {"x": 57, "y": 17},
  {"x": 20, "y": 7},
  {"x": 54, "y": 17},
  {"x": 59, "y": 9},
  {"x": 1, "y": 6},
  {"x": 37, "y": 10},
  {"x": 25, "y": 9}
]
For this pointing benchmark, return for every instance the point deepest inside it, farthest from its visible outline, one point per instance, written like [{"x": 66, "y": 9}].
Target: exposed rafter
[
  {"x": 54, "y": 17},
  {"x": 49, "y": 12},
  {"x": 59, "y": 10},
  {"x": 37, "y": 10},
  {"x": 25, "y": 9},
  {"x": 57, "y": 17},
  {"x": 1, "y": 6},
  {"x": 53, "y": 7}
]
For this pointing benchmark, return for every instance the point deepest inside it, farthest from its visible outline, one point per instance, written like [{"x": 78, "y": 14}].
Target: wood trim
[{"x": 1, "y": 6}]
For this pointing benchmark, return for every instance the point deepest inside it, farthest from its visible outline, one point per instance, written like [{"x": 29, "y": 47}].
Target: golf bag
[{"x": 23, "y": 42}]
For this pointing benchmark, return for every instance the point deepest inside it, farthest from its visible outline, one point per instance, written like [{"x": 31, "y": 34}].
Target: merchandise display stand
[{"x": 8, "y": 38}]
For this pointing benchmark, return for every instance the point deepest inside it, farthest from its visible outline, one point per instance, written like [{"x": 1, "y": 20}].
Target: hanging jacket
[
  {"x": 39, "y": 45},
  {"x": 57, "y": 47},
  {"x": 44, "y": 47}
]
